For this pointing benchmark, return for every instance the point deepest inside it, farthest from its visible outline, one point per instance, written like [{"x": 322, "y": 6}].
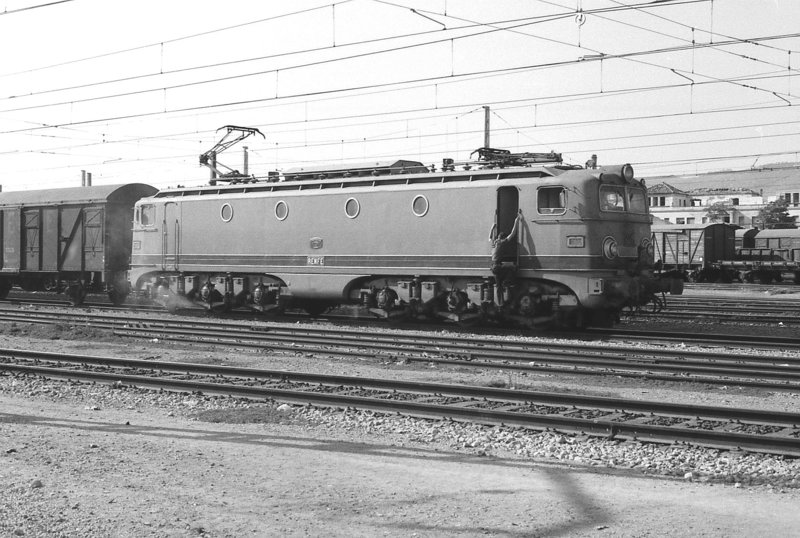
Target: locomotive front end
[{"x": 623, "y": 241}]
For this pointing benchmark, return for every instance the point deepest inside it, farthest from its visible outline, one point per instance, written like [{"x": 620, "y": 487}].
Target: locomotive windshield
[
  {"x": 637, "y": 201},
  {"x": 621, "y": 198}
]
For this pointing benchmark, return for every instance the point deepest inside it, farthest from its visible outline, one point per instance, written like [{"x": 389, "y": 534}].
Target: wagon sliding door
[
  {"x": 82, "y": 235},
  {"x": 50, "y": 239},
  {"x": 31, "y": 222},
  {"x": 93, "y": 238},
  {"x": 70, "y": 252}
]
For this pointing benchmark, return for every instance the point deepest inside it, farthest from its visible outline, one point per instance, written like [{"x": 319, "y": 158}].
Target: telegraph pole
[{"x": 486, "y": 127}]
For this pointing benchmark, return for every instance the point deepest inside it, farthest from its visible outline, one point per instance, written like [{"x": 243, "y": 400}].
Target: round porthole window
[
  {"x": 281, "y": 210},
  {"x": 420, "y": 205},
  {"x": 352, "y": 208},
  {"x": 226, "y": 212}
]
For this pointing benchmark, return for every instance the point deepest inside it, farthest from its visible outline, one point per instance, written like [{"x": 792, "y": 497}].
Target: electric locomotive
[{"x": 518, "y": 238}]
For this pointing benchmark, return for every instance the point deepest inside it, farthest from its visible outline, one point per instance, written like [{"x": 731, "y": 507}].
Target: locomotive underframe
[{"x": 530, "y": 298}]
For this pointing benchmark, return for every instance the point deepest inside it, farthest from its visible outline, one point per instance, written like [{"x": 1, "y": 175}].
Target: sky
[{"x": 136, "y": 91}]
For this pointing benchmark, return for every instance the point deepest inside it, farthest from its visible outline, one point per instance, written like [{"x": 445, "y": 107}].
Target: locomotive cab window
[
  {"x": 551, "y": 200},
  {"x": 637, "y": 201},
  {"x": 612, "y": 198},
  {"x": 146, "y": 215}
]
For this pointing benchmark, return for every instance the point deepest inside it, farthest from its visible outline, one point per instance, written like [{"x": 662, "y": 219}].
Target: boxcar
[
  {"x": 693, "y": 247},
  {"x": 70, "y": 239}
]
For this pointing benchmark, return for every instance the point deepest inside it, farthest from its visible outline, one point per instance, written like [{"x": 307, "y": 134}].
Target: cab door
[
  {"x": 170, "y": 237},
  {"x": 505, "y": 216}
]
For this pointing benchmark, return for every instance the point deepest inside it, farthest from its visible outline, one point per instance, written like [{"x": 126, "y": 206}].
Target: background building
[{"x": 686, "y": 199}]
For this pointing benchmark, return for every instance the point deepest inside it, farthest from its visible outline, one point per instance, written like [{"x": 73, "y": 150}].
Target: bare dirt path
[{"x": 67, "y": 470}]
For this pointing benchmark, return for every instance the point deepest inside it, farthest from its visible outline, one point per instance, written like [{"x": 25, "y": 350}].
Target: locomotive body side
[{"x": 400, "y": 245}]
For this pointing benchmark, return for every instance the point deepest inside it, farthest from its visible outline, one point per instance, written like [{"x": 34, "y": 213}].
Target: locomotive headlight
[
  {"x": 610, "y": 249},
  {"x": 627, "y": 172},
  {"x": 648, "y": 248}
]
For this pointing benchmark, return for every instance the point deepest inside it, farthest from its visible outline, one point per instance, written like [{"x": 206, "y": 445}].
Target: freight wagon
[
  {"x": 693, "y": 249},
  {"x": 69, "y": 239},
  {"x": 765, "y": 255}
]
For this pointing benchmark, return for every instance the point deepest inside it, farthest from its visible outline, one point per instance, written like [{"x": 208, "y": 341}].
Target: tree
[
  {"x": 718, "y": 211},
  {"x": 776, "y": 215}
]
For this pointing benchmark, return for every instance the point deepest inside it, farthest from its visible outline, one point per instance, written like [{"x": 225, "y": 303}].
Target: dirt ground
[
  {"x": 73, "y": 471},
  {"x": 94, "y": 461}
]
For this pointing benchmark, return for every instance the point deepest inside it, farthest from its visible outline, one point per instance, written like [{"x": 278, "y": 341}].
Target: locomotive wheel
[
  {"x": 76, "y": 294},
  {"x": 173, "y": 305},
  {"x": 5, "y": 287},
  {"x": 400, "y": 316},
  {"x": 51, "y": 284},
  {"x": 116, "y": 296},
  {"x": 221, "y": 307},
  {"x": 471, "y": 321},
  {"x": 29, "y": 284},
  {"x": 314, "y": 308}
]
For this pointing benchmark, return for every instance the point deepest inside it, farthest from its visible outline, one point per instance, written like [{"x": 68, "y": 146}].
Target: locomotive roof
[
  {"x": 397, "y": 166},
  {"x": 467, "y": 176},
  {"x": 78, "y": 195}
]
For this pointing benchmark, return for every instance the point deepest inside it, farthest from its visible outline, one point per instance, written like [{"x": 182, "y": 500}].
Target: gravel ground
[{"x": 93, "y": 460}]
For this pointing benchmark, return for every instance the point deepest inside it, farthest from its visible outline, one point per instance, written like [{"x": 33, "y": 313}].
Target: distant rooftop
[
  {"x": 772, "y": 179},
  {"x": 705, "y": 191},
  {"x": 664, "y": 188}
]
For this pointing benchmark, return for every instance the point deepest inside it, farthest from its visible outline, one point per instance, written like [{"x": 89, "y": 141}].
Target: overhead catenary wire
[
  {"x": 340, "y": 90},
  {"x": 493, "y": 25},
  {"x": 72, "y": 102},
  {"x": 37, "y": 6},
  {"x": 318, "y": 122},
  {"x": 167, "y": 41},
  {"x": 431, "y": 135}
]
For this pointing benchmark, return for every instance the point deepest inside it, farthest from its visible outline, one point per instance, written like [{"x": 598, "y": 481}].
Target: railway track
[
  {"x": 619, "y": 332},
  {"x": 719, "y": 427},
  {"x": 771, "y": 371},
  {"x": 710, "y": 312},
  {"x": 731, "y": 309},
  {"x": 734, "y": 287}
]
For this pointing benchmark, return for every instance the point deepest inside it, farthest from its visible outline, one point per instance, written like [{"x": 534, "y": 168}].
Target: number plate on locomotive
[{"x": 315, "y": 260}]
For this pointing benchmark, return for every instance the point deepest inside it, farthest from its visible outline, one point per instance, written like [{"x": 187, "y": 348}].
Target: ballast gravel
[
  {"x": 34, "y": 503},
  {"x": 684, "y": 461}
]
